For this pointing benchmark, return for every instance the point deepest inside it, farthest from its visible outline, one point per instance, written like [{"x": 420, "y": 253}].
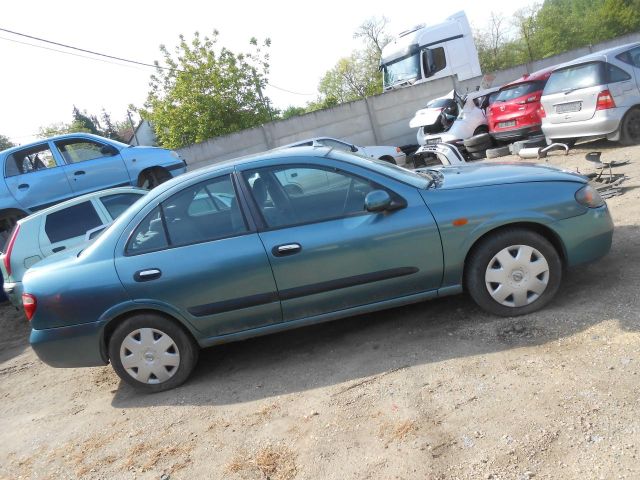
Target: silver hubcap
[
  {"x": 517, "y": 275},
  {"x": 149, "y": 355}
]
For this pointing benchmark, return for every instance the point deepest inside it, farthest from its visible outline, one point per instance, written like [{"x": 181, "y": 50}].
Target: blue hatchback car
[{"x": 296, "y": 237}]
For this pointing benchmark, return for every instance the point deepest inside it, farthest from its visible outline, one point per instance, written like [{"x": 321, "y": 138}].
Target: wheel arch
[
  {"x": 116, "y": 319},
  {"x": 539, "y": 228},
  {"x": 387, "y": 158},
  {"x": 158, "y": 170}
]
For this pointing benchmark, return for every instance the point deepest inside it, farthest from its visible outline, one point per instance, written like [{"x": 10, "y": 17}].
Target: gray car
[{"x": 597, "y": 95}]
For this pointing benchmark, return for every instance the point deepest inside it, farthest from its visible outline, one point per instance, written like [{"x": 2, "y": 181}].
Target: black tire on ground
[
  {"x": 477, "y": 155},
  {"x": 152, "y": 178},
  {"x": 159, "y": 339},
  {"x": 528, "y": 280},
  {"x": 537, "y": 141},
  {"x": 479, "y": 148},
  {"x": 498, "y": 152},
  {"x": 480, "y": 139},
  {"x": 630, "y": 128}
]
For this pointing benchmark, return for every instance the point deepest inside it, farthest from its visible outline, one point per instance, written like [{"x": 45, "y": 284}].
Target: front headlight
[{"x": 589, "y": 197}]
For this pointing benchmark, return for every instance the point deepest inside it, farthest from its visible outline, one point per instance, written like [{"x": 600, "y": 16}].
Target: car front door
[
  {"x": 91, "y": 165},
  {"x": 35, "y": 179},
  {"x": 327, "y": 253},
  {"x": 197, "y": 253}
]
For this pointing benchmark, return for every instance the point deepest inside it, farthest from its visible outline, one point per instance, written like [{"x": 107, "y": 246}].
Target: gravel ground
[{"x": 438, "y": 390}]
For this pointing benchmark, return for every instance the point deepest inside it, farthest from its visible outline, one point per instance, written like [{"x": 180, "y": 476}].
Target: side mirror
[
  {"x": 377, "y": 201},
  {"x": 354, "y": 148},
  {"x": 108, "y": 150}
]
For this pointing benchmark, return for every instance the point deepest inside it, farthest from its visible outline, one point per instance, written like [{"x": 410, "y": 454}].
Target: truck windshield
[{"x": 402, "y": 70}]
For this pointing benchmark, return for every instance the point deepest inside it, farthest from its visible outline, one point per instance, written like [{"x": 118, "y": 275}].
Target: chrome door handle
[
  {"x": 286, "y": 249},
  {"x": 148, "y": 274}
]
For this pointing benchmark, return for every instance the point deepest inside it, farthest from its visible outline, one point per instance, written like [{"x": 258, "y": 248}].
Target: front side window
[
  {"x": 71, "y": 222},
  {"x": 29, "y": 160},
  {"x": 435, "y": 60},
  {"x": 289, "y": 196},
  {"x": 81, "y": 150}
]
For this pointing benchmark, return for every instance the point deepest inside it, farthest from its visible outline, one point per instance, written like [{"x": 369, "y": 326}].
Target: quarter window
[
  {"x": 29, "y": 160},
  {"x": 81, "y": 150},
  {"x": 299, "y": 195},
  {"x": 632, "y": 57},
  {"x": 72, "y": 222},
  {"x": 615, "y": 74}
]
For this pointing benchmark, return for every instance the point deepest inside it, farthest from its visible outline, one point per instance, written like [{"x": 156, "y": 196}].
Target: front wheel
[
  {"x": 513, "y": 272},
  {"x": 152, "y": 353},
  {"x": 150, "y": 179}
]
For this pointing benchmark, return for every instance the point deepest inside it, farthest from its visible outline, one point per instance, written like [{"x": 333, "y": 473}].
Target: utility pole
[{"x": 133, "y": 129}]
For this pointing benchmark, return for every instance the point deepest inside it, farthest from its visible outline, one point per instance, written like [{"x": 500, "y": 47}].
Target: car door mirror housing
[
  {"x": 354, "y": 148},
  {"x": 377, "y": 201}
]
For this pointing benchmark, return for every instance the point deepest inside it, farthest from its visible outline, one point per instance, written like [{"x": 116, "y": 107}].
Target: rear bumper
[
  {"x": 603, "y": 122},
  {"x": 586, "y": 237},
  {"x": 73, "y": 346},
  {"x": 516, "y": 133},
  {"x": 14, "y": 293}
]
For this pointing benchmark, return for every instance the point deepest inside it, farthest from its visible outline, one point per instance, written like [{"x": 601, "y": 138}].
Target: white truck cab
[{"x": 426, "y": 53}]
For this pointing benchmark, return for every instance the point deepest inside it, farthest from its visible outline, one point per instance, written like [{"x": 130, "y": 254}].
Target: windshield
[
  {"x": 518, "y": 90},
  {"x": 402, "y": 70},
  {"x": 575, "y": 77}
]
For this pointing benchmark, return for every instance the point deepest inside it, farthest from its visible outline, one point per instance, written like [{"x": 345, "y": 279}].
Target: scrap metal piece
[{"x": 542, "y": 152}]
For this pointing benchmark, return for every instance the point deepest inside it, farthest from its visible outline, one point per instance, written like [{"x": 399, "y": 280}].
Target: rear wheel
[
  {"x": 513, "y": 272},
  {"x": 152, "y": 353},
  {"x": 630, "y": 128}
]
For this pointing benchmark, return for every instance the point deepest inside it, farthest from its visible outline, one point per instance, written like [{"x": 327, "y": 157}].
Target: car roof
[
  {"x": 80, "y": 199},
  {"x": 63, "y": 137},
  {"x": 602, "y": 55}
]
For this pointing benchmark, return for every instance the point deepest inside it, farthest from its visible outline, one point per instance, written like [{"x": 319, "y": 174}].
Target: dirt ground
[{"x": 438, "y": 390}]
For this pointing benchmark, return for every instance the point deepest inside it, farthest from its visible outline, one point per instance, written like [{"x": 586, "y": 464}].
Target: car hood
[
  {"x": 426, "y": 116},
  {"x": 480, "y": 175}
]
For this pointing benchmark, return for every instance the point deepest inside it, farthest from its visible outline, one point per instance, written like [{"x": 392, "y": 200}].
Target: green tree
[
  {"x": 5, "y": 143},
  {"x": 292, "y": 111},
  {"x": 356, "y": 76},
  {"x": 206, "y": 91}
]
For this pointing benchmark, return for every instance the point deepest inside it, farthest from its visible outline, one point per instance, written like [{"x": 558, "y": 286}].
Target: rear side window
[
  {"x": 29, "y": 160},
  {"x": 516, "y": 91},
  {"x": 615, "y": 74},
  {"x": 577, "y": 76},
  {"x": 149, "y": 236},
  {"x": 71, "y": 222},
  {"x": 116, "y": 204},
  {"x": 632, "y": 57}
]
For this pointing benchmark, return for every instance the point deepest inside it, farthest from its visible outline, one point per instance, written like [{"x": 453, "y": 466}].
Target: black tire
[
  {"x": 630, "y": 128},
  {"x": 477, "y": 140},
  {"x": 537, "y": 141},
  {"x": 389, "y": 160},
  {"x": 182, "y": 344},
  {"x": 481, "y": 129},
  {"x": 479, "y": 148},
  {"x": 150, "y": 179},
  {"x": 477, "y": 155},
  {"x": 498, "y": 152},
  {"x": 483, "y": 257}
]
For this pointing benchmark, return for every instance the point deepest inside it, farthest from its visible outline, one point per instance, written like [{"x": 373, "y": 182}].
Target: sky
[{"x": 39, "y": 86}]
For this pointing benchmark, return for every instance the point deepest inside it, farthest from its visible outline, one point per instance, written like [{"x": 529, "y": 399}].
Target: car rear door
[
  {"x": 67, "y": 227},
  {"x": 327, "y": 253},
  {"x": 91, "y": 165},
  {"x": 196, "y": 253},
  {"x": 35, "y": 179},
  {"x": 571, "y": 93}
]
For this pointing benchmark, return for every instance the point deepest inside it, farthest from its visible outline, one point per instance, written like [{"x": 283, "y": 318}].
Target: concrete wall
[{"x": 379, "y": 120}]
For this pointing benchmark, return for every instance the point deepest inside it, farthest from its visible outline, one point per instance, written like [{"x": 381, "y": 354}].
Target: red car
[{"x": 514, "y": 114}]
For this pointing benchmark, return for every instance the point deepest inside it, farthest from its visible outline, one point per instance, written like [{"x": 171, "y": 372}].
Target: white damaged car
[{"x": 389, "y": 154}]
